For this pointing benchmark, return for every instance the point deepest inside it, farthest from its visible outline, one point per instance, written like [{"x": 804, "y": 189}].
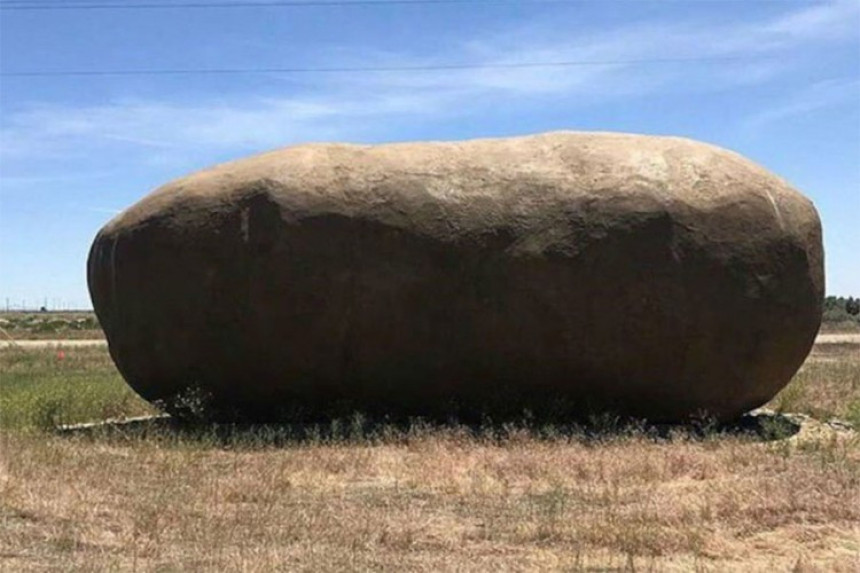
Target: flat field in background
[
  {"x": 69, "y": 325},
  {"x": 356, "y": 496}
]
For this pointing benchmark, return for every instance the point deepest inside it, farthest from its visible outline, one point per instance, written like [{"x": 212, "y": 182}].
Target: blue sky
[{"x": 776, "y": 80}]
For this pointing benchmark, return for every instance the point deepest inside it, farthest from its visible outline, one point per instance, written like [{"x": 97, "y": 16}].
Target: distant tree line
[{"x": 841, "y": 309}]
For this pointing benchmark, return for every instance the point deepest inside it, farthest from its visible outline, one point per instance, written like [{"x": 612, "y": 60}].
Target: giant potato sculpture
[{"x": 649, "y": 276}]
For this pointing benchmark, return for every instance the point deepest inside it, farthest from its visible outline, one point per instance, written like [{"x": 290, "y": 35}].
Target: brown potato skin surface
[{"x": 654, "y": 277}]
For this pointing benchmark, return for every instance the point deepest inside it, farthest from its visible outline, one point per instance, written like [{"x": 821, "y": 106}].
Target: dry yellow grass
[{"x": 440, "y": 499}]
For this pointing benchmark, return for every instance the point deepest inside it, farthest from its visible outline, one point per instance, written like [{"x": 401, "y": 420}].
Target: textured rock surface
[{"x": 652, "y": 276}]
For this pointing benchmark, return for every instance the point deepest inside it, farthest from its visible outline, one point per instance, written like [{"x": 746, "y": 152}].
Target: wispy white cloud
[
  {"x": 823, "y": 20},
  {"x": 27, "y": 183},
  {"x": 190, "y": 127},
  {"x": 354, "y": 106},
  {"x": 820, "y": 95}
]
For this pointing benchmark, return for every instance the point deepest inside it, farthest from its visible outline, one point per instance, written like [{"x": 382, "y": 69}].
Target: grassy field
[
  {"x": 355, "y": 496},
  {"x": 44, "y": 388},
  {"x": 49, "y": 325}
]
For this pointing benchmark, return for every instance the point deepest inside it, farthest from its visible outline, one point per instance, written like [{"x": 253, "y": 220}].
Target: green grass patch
[{"x": 41, "y": 388}]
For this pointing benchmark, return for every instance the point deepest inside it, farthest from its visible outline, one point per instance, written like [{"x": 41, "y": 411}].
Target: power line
[
  {"x": 364, "y": 69},
  {"x": 18, "y": 5}
]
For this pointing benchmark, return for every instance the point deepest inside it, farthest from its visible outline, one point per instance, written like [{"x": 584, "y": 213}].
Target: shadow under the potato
[{"x": 359, "y": 430}]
